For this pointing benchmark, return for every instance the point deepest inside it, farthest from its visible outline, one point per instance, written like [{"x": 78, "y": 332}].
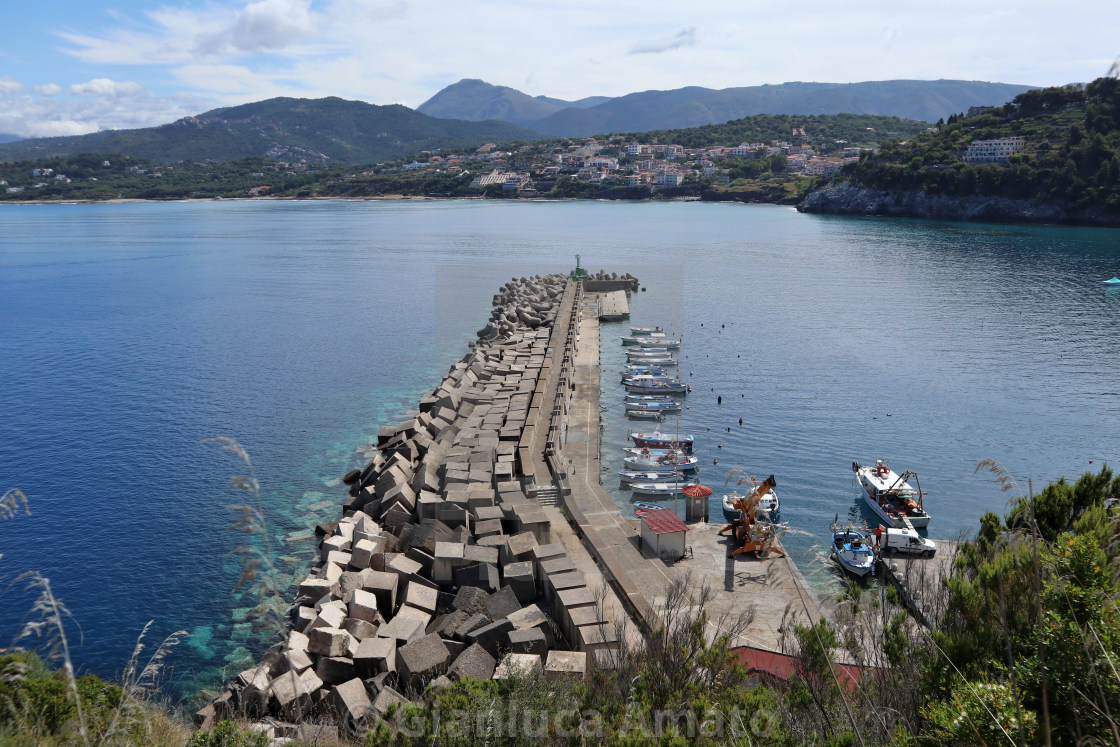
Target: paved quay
[{"x": 772, "y": 588}]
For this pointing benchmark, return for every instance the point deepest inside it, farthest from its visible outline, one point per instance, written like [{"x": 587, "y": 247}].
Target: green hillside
[
  {"x": 285, "y": 129},
  {"x": 1071, "y": 153},
  {"x": 823, "y": 130}
]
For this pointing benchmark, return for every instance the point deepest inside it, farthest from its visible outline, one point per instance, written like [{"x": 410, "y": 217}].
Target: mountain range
[
  {"x": 472, "y": 112},
  {"x": 926, "y": 100},
  {"x": 286, "y": 129}
]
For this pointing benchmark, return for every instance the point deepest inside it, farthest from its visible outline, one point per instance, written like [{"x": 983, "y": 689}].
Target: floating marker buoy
[
  {"x": 715, "y": 461},
  {"x": 719, "y": 399}
]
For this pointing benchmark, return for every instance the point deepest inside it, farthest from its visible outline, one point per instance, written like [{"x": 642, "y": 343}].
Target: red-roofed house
[
  {"x": 664, "y": 533},
  {"x": 774, "y": 669}
]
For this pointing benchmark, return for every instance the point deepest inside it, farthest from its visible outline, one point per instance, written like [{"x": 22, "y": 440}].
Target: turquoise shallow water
[{"x": 131, "y": 332}]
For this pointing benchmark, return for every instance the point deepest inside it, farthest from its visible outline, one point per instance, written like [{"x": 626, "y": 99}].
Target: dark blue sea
[{"x": 130, "y": 333}]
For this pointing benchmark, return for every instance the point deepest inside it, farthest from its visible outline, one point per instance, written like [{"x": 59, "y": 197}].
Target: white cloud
[
  {"x": 9, "y": 85},
  {"x": 262, "y": 26},
  {"x": 686, "y": 37},
  {"x": 97, "y": 104},
  {"x": 104, "y": 87}
]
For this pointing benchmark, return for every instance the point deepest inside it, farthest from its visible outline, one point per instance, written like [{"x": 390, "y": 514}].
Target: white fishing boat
[
  {"x": 890, "y": 496},
  {"x": 652, "y": 361},
  {"x": 631, "y": 476},
  {"x": 650, "y": 378},
  {"x": 672, "y": 406},
  {"x": 658, "y": 341},
  {"x": 655, "y": 338},
  {"x": 640, "y": 413},
  {"x": 645, "y": 331},
  {"x": 852, "y": 550},
  {"x": 670, "y": 460},
  {"x": 768, "y": 506},
  {"x": 656, "y": 387},
  {"x": 660, "y": 487},
  {"x": 631, "y": 371}
]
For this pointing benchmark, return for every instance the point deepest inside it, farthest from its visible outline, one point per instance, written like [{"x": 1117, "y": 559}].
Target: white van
[{"x": 906, "y": 541}]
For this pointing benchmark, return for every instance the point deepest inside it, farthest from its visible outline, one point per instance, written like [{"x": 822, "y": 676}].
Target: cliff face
[{"x": 847, "y": 199}]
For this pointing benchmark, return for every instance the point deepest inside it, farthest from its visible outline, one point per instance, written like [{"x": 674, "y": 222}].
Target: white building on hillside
[{"x": 989, "y": 151}]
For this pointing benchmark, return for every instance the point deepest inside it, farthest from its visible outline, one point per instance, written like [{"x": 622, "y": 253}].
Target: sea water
[{"x": 131, "y": 333}]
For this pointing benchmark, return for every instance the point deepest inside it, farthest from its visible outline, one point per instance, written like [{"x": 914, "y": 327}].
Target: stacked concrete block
[
  {"x": 565, "y": 665},
  {"x": 517, "y": 665},
  {"x": 424, "y": 576}
]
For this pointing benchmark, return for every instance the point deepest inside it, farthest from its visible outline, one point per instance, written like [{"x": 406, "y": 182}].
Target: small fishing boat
[
  {"x": 852, "y": 550},
  {"x": 650, "y": 399},
  {"x": 890, "y": 496},
  {"x": 668, "y": 461},
  {"x": 643, "y": 331},
  {"x": 640, "y": 413},
  {"x": 640, "y": 507},
  {"x": 650, "y": 370},
  {"x": 656, "y": 387},
  {"x": 659, "y": 440},
  {"x": 659, "y": 341},
  {"x": 768, "y": 507},
  {"x": 650, "y": 352},
  {"x": 660, "y": 487},
  {"x": 632, "y": 476},
  {"x": 655, "y": 338},
  {"x": 671, "y": 406},
  {"x": 640, "y": 378},
  {"x": 664, "y": 360},
  {"x": 1112, "y": 281}
]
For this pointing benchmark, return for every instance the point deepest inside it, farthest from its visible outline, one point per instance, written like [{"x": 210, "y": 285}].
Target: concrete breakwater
[{"x": 443, "y": 564}]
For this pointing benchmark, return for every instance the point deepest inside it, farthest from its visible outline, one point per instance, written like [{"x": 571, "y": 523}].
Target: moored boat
[
  {"x": 890, "y": 496},
  {"x": 655, "y": 387},
  {"x": 852, "y": 550},
  {"x": 643, "y": 331},
  {"x": 1112, "y": 281},
  {"x": 653, "y": 340},
  {"x": 768, "y": 507},
  {"x": 660, "y": 487},
  {"x": 659, "y": 440},
  {"x": 632, "y": 476},
  {"x": 641, "y": 413},
  {"x": 669, "y": 460}
]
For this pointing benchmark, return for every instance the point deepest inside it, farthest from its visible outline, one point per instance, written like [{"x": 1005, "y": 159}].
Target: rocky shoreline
[
  {"x": 847, "y": 199},
  {"x": 442, "y": 565}
]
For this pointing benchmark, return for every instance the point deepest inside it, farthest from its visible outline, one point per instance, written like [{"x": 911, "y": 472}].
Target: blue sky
[{"x": 70, "y": 67}]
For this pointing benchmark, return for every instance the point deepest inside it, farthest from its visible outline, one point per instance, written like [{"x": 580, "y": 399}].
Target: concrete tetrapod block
[
  {"x": 363, "y": 606},
  {"x": 401, "y": 629},
  {"x": 374, "y": 656},
  {"x": 360, "y": 629},
  {"x": 517, "y": 665},
  {"x": 421, "y": 596},
  {"x": 470, "y": 599},
  {"x": 313, "y": 587},
  {"x": 421, "y": 660},
  {"x": 519, "y": 548},
  {"x": 565, "y": 665},
  {"x": 561, "y": 581},
  {"x": 331, "y": 642},
  {"x": 593, "y": 638},
  {"x": 411, "y": 613},
  {"x": 521, "y": 578},
  {"x": 493, "y": 637},
  {"x": 362, "y": 553},
  {"x": 334, "y": 670},
  {"x": 448, "y": 557},
  {"x": 472, "y": 623},
  {"x": 445, "y": 624},
  {"x": 291, "y": 696},
  {"x": 483, "y": 575},
  {"x": 474, "y": 663},
  {"x": 529, "y": 641},
  {"x": 382, "y": 585},
  {"x": 387, "y": 698},
  {"x": 501, "y": 603},
  {"x": 533, "y": 617},
  {"x": 405, "y": 567}
]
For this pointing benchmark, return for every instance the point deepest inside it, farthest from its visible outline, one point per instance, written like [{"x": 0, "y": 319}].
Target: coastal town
[{"x": 532, "y": 170}]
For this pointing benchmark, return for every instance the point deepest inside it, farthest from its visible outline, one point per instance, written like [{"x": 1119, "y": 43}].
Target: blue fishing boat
[
  {"x": 852, "y": 550},
  {"x": 1112, "y": 281}
]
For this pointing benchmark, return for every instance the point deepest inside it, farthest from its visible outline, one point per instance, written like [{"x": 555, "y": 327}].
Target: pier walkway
[{"x": 773, "y": 589}]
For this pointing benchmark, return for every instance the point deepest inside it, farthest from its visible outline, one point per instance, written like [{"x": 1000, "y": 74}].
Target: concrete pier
[
  {"x": 452, "y": 556},
  {"x": 773, "y": 587}
]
